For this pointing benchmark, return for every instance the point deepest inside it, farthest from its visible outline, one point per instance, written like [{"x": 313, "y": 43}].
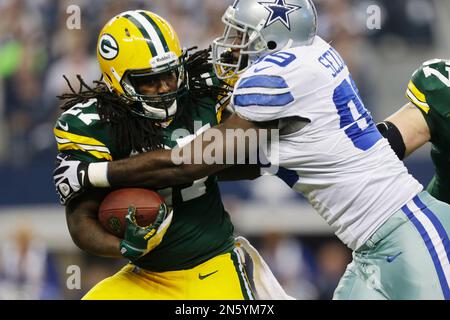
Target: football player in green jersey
[
  {"x": 425, "y": 118},
  {"x": 350, "y": 177},
  {"x": 152, "y": 89}
]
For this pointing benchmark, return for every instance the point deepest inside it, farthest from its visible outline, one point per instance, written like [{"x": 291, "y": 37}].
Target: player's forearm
[
  {"x": 159, "y": 176},
  {"x": 152, "y": 170},
  {"x": 89, "y": 236},
  {"x": 86, "y": 231},
  {"x": 162, "y": 168},
  {"x": 155, "y": 169},
  {"x": 207, "y": 154},
  {"x": 412, "y": 126},
  {"x": 146, "y": 169}
]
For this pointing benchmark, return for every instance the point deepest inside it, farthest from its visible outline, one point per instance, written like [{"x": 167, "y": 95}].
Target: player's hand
[
  {"x": 70, "y": 177},
  {"x": 138, "y": 241}
]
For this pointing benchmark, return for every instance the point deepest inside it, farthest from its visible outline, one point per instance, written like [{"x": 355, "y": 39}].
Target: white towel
[{"x": 266, "y": 285}]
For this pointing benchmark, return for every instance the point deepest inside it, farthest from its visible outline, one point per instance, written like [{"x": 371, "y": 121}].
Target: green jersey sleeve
[
  {"x": 80, "y": 133},
  {"x": 429, "y": 87},
  {"x": 429, "y": 90}
]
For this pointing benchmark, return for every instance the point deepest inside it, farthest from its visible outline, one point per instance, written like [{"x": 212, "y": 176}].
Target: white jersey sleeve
[
  {"x": 262, "y": 97},
  {"x": 276, "y": 87}
]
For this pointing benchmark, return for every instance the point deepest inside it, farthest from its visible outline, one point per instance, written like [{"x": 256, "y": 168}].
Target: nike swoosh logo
[
  {"x": 65, "y": 127},
  {"x": 261, "y": 69},
  {"x": 201, "y": 277},
  {"x": 392, "y": 258}
]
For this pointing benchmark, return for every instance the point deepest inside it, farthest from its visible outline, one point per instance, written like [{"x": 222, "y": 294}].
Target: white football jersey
[{"x": 338, "y": 160}]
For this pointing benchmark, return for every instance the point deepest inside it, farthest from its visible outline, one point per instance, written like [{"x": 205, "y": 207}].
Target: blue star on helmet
[{"x": 279, "y": 11}]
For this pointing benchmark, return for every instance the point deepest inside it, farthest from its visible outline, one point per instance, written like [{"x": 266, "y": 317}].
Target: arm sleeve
[
  {"x": 81, "y": 137},
  {"x": 429, "y": 90},
  {"x": 393, "y": 135},
  {"x": 81, "y": 141},
  {"x": 262, "y": 98}
]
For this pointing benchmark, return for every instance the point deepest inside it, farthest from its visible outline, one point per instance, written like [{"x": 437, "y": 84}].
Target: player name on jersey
[{"x": 337, "y": 159}]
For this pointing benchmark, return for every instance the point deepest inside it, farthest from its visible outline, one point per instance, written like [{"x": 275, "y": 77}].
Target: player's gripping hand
[
  {"x": 70, "y": 176},
  {"x": 138, "y": 241}
]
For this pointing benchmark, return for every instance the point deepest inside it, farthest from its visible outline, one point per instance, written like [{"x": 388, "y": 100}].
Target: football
[{"x": 114, "y": 208}]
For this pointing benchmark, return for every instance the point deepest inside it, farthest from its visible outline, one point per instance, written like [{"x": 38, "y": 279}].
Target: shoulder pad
[
  {"x": 429, "y": 87},
  {"x": 79, "y": 131}
]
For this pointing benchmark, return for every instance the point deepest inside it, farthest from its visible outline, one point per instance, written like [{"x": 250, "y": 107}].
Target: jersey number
[
  {"x": 194, "y": 190},
  {"x": 77, "y": 111},
  {"x": 197, "y": 189},
  {"x": 281, "y": 59},
  {"x": 428, "y": 72},
  {"x": 354, "y": 117}
]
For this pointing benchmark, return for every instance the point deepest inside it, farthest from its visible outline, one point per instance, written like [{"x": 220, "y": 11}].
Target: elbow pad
[{"x": 393, "y": 135}]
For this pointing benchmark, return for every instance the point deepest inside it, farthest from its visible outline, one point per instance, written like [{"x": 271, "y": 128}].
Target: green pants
[{"x": 408, "y": 257}]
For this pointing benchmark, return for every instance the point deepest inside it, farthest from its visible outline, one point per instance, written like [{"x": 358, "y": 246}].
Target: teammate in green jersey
[
  {"x": 425, "y": 118},
  {"x": 152, "y": 89}
]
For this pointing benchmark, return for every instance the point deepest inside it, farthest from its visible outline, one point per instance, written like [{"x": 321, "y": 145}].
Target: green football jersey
[
  {"x": 201, "y": 228},
  {"x": 429, "y": 90}
]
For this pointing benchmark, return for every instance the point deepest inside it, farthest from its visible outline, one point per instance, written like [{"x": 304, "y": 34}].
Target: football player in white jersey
[{"x": 329, "y": 150}]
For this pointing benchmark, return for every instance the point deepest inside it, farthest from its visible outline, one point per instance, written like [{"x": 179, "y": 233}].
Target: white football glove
[{"x": 70, "y": 177}]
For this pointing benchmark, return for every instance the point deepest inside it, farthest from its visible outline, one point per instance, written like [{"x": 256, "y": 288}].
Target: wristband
[{"x": 98, "y": 174}]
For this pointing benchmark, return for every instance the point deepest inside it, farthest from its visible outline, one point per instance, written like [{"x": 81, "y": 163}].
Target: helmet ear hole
[{"x": 272, "y": 45}]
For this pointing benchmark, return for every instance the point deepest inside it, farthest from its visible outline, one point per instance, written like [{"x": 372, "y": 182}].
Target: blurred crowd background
[{"x": 37, "y": 48}]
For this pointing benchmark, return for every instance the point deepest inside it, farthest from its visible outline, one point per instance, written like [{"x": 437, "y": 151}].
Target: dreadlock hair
[
  {"x": 132, "y": 132},
  {"x": 199, "y": 71}
]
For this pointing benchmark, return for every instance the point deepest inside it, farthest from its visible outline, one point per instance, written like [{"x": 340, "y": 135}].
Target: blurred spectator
[
  {"x": 413, "y": 21},
  {"x": 37, "y": 49},
  {"x": 343, "y": 23},
  {"x": 22, "y": 63},
  {"x": 74, "y": 60},
  {"x": 27, "y": 271}
]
